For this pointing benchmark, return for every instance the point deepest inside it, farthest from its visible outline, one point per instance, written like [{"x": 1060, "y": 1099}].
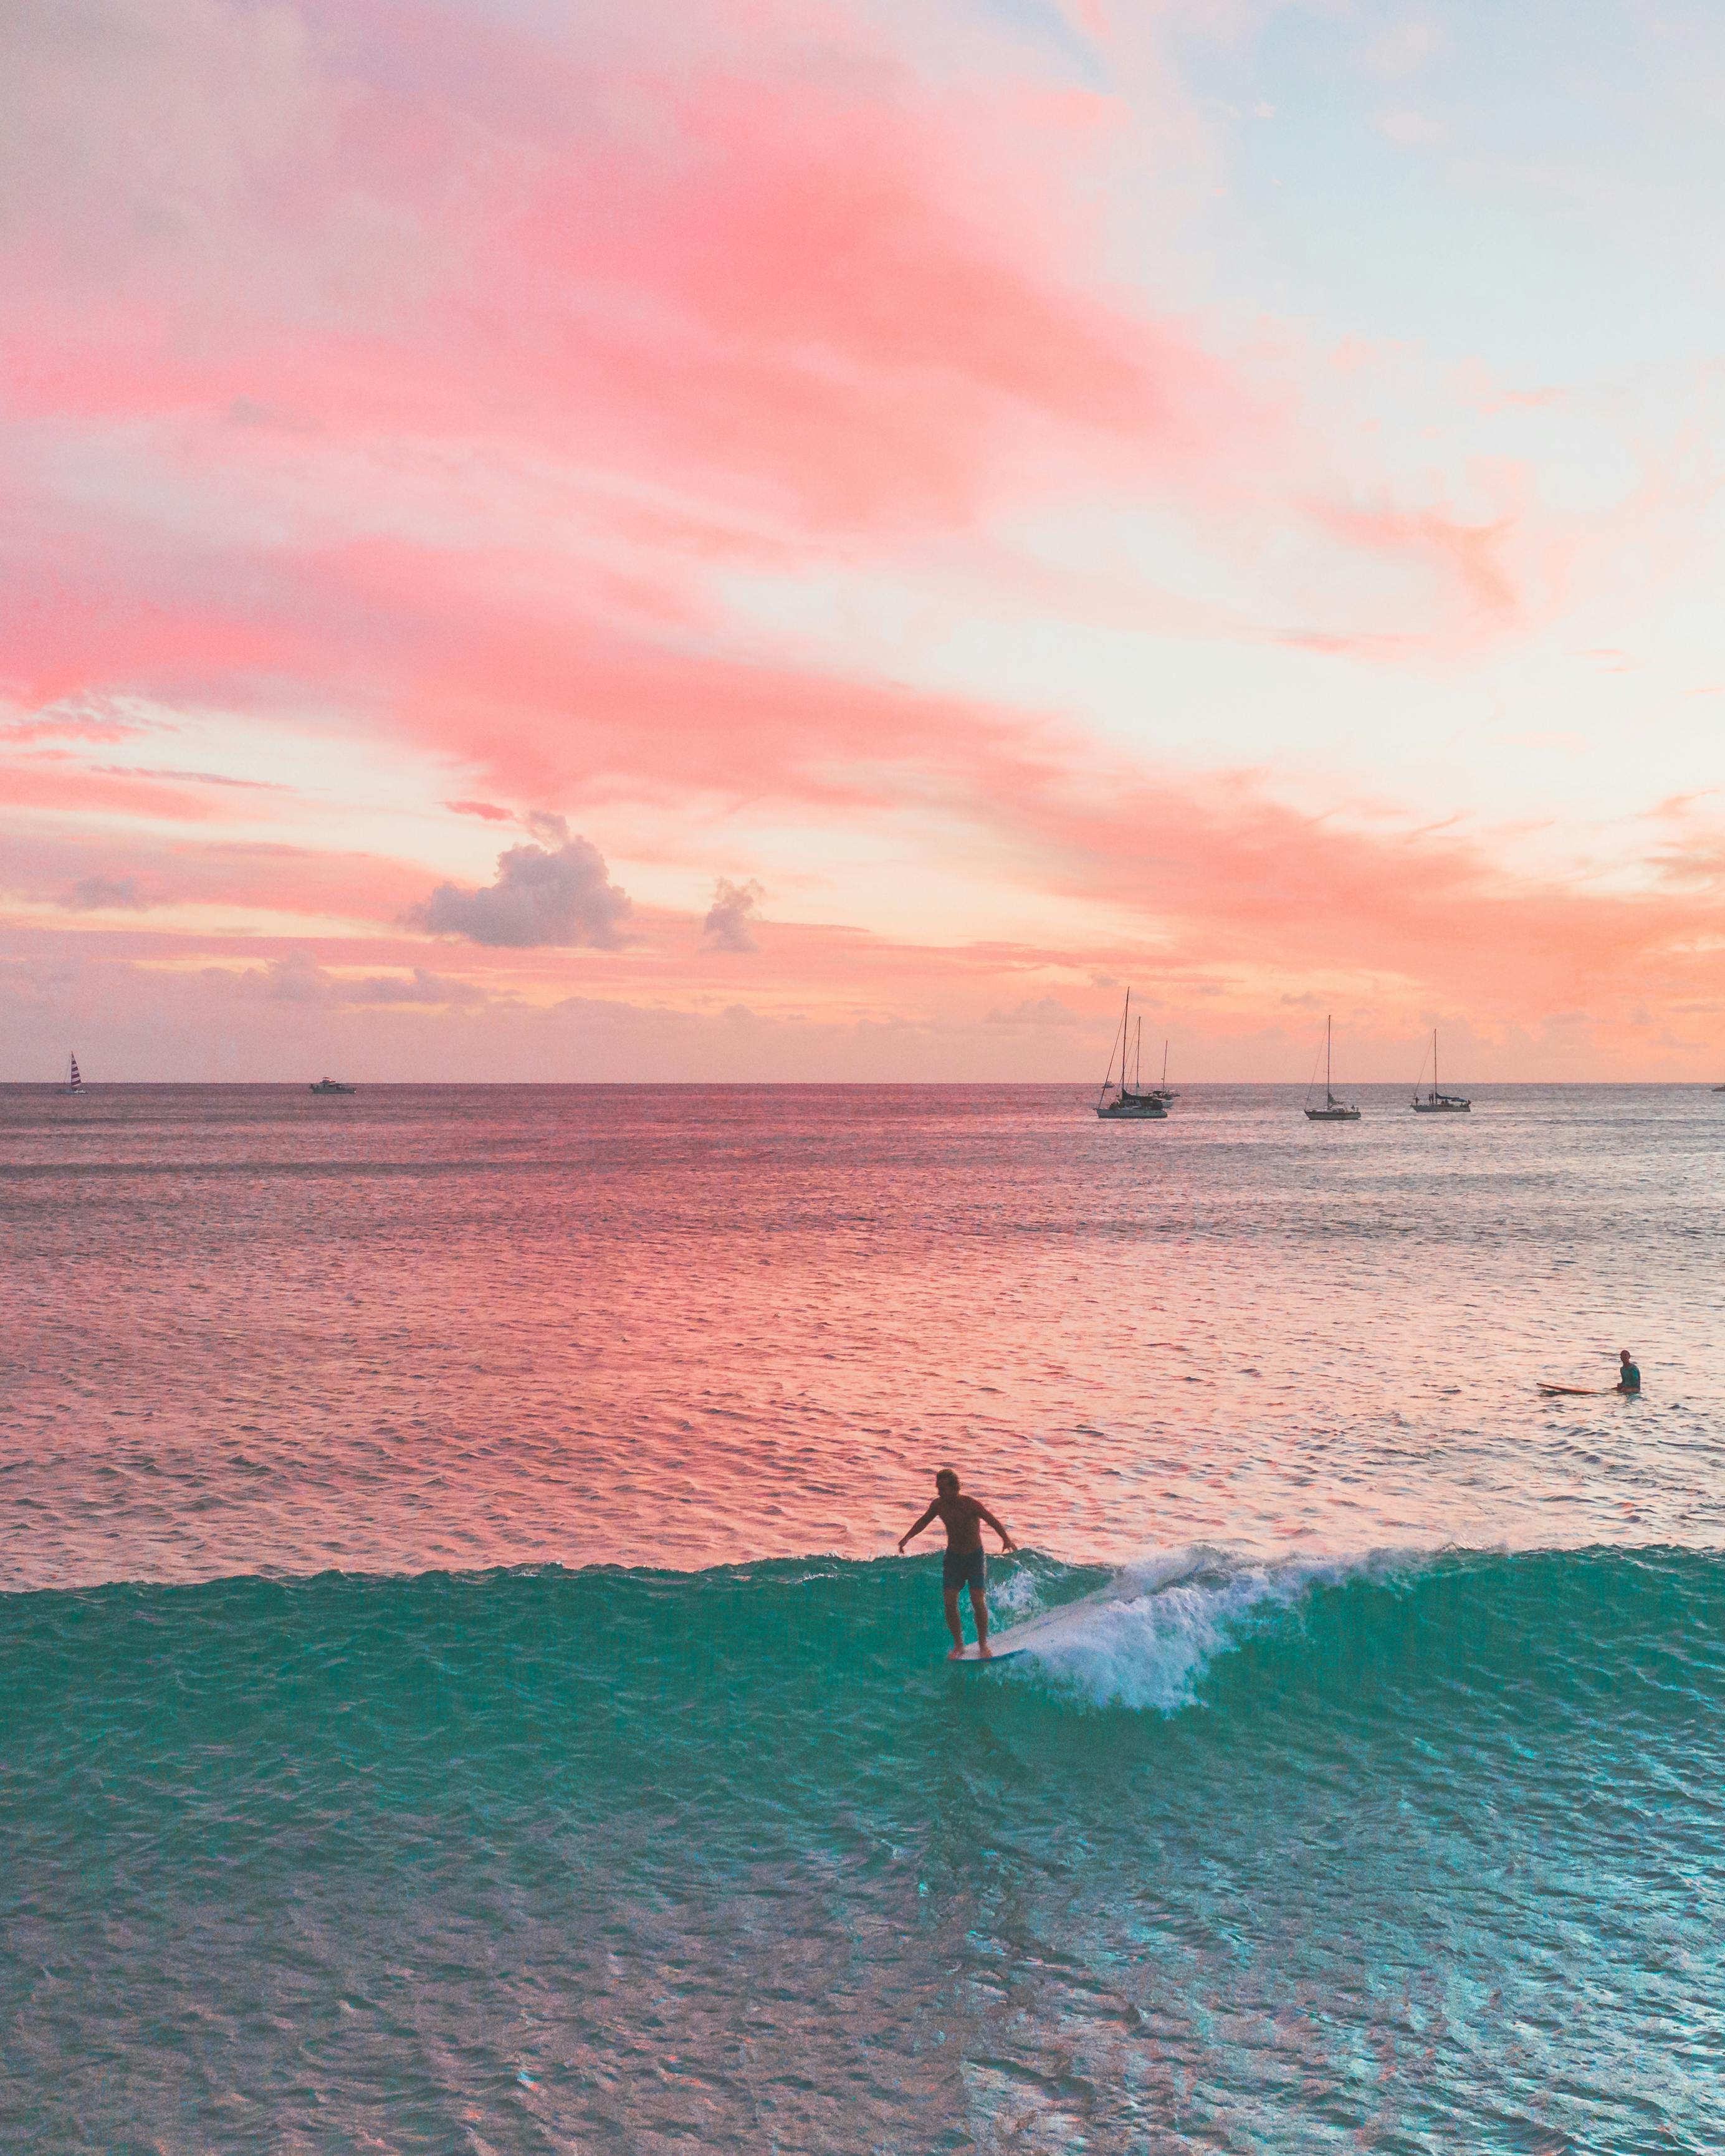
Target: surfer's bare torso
[{"x": 962, "y": 1518}]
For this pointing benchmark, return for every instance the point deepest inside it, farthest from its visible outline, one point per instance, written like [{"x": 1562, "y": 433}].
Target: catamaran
[
  {"x": 1437, "y": 1103},
  {"x": 1130, "y": 1103},
  {"x": 1332, "y": 1111},
  {"x": 74, "y": 1083}
]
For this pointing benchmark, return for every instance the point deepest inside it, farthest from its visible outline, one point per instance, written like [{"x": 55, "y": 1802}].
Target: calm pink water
[{"x": 433, "y": 1328}]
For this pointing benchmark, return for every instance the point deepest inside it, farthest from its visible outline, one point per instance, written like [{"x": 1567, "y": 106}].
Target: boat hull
[
  {"x": 1442, "y": 1107},
  {"x": 1133, "y": 1103},
  {"x": 1333, "y": 1114}
]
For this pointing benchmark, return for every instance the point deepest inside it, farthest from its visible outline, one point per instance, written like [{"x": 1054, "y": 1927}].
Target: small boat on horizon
[
  {"x": 1332, "y": 1111},
  {"x": 1161, "y": 1092},
  {"x": 331, "y": 1086},
  {"x": 75, "y": 1081},
  {"x": 1131, "y": 1103},
  {"x": 1434, "y": 1102}
]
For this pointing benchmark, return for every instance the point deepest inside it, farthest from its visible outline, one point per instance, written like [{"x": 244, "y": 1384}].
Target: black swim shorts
[{"x": 964, "y": 1568}]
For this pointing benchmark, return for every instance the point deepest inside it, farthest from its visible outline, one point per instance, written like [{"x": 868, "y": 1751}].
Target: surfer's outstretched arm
[
  {"x": 1006, "y": 1540},
  {"x": 910, "y": 1534}
]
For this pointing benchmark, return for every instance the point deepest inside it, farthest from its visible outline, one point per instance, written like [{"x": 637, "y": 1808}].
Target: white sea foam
[{"x": 1144, "y": 1639}]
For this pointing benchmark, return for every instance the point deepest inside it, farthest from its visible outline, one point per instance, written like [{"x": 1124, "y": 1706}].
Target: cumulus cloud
[
  {"x": 730, "y": 918},
  {"x": 559, "y": 892},
  {"x": 92, "y": 893}
]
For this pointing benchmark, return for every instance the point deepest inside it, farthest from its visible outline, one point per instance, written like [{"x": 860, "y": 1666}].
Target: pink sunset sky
[{"x": 758, "y": 539}]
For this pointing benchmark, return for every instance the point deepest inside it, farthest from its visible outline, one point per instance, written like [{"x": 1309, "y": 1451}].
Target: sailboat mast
[
  {"x": 1138, "y": 1059},
  {"x": 1329, "y": 1097},
  {"x": 1433, "y": 1064}
]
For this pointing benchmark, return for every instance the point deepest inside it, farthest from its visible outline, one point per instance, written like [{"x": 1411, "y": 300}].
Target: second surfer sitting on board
[{"x": 965, "y": 1565}]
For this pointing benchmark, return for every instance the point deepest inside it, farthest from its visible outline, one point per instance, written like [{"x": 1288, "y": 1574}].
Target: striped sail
[{"x": 75, "y": 1084}]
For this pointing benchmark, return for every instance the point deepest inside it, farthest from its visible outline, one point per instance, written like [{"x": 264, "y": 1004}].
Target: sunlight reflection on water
[{"x": 454, "y": 1328}]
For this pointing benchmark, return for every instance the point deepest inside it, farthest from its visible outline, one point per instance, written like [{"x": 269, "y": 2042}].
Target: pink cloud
[
  {"x": 43, "y": 865},
  {"x": 794, "y": 272},
  {"x": 1469, "y": 553},
  {"x": 558, "y": 894},
  {"x": 420, "y": 369},
  {"x": 780, "y": 279},
  {"x": 69, "y": 787}
]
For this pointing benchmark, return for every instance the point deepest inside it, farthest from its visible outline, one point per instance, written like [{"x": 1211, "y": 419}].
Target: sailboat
[
  {"x": 1161, "y": 1092},
  {"x": 1332, "y": 1111},
  {"x": 1434, "y": 1102},
  {"x": 74, "y": 1082},
  {"x": 1130, "y": 1103}
]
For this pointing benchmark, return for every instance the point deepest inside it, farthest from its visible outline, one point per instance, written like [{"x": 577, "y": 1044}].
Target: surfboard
[
  {"x": 1048, "y": 1627},
  {"x": 1578, "y": 1392},
  {"x": 1019, "y": 1639}
]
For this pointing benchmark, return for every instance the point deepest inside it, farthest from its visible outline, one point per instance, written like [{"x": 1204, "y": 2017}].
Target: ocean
[{"x": 457, "y": 1692}]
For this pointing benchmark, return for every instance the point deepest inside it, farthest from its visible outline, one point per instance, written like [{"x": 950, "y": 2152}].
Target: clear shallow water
[{"x": 1287, "y": 1846}]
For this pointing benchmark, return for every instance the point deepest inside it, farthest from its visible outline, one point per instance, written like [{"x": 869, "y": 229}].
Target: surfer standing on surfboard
[{"x": 966, "y": 1565}]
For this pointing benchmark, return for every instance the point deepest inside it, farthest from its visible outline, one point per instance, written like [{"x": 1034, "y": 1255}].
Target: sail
[
  {"x": 1131, "y": 1103},
  {"x": 74, "y": 1083}
]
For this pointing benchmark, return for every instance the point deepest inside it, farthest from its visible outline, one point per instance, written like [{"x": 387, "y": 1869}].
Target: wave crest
[{"x": 1146, "y": 1639}]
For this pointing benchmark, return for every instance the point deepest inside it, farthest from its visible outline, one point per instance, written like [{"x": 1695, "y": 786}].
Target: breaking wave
[{"x": 1246, "y": 1855}]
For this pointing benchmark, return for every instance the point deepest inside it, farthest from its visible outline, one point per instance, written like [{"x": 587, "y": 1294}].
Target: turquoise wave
[{"x": 1404, "y": 1854}]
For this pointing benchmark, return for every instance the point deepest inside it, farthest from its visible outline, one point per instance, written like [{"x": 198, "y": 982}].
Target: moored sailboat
[
  {"x": 1332, "y": 1111},
  {"x": 1130, "y": 1104},
  {"x": 1436, "y": 1103}
]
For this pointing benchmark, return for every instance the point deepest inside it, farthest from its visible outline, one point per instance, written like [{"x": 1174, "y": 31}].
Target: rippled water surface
[
  {"x": 468, "y": 1326},
  {"x": 455, "y": 1694}
]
